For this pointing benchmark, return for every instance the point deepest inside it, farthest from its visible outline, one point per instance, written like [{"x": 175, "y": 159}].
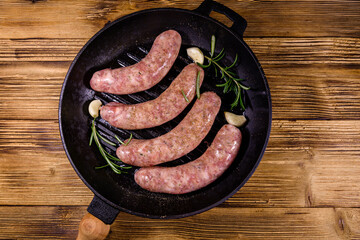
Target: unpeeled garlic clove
[
  {"x": 234, "y": 119},
  {"x": 94, "y": 107},
  {"x": 195, "y": 54}
]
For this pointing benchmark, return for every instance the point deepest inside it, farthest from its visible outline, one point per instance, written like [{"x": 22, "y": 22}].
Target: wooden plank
[
  {"x": 248, "y": 223},
  {"x": 316, "y": 91},
  {"x": 265, "y": 18},
  {"x": 308, "y": 177},
  {"x": 40, "y": 49},
  {"x": 306, "y": 164},
  {"x": 324, "y": 135},
  {"x": 33, "y": 176},
  {"x": 313, "y": 91},
  {"x": 334, "y": 178},
  {"x": 34, "y": 169},
  {"x": 31, "y": 90},
  {"x": 333, "y": 150},
  {"x": 279, "y": 181},
  {"x": 44, "y": 222},
  {"x": 325, "y": 50},
  {"x": 39, "y": 222}
]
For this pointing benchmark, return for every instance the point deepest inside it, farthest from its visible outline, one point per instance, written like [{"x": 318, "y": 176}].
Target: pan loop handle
[{"x": 239, "y": 23}]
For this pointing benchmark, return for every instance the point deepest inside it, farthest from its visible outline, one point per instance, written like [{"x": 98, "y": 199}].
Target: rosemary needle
[
  {"x": 198, "y": 85},
  {"x": 128, "y": 141},
  {"x": 119, "y": 140},
  {"x": 212, "y": 45},
  {"x": 100, "y": 167},
  {"x": 122, "y": 142},
  {"x": 186, "y": 99}
]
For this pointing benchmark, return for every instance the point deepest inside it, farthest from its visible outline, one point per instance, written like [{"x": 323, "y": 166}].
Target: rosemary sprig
[
  {"x": 107, "y": 156},
  {"x": 91, "y": 138},
  {"x": 232, "y": 81}
]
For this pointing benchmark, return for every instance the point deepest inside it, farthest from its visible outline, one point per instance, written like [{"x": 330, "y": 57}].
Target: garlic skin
[
  {"x": 234, "y": 119},
  {"x": 195, "y": 54},
  {"x": 94, "y": 107}
]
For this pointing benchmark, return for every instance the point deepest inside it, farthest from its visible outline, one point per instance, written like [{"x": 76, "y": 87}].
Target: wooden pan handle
[{"x": 92, "y": 228}]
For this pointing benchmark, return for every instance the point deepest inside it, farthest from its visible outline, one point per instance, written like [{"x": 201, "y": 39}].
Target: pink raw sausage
[
  {"x": 198, "y": 173},
  {"x": 185, "y": 137},
  {"x": 158, "y": 111},
  {"x": 144, "y": 74}
]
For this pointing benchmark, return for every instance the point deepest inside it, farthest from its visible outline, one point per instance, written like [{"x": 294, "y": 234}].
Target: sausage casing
[
  {"x": 195, "y": 174},
  {"x": 144, "y": 74},
  {"x": 160, "y": 110}
]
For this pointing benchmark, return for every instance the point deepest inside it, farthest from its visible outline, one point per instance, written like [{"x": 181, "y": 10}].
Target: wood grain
[
  {"x": 44, "y": 222},
  {"x": 309, "y": 79},
  {"x": 54, "y": 19},
  {"x": 307, "y": 185},
  {"x": 270, "y": 51},
  {"x": 306, "y": 164}
]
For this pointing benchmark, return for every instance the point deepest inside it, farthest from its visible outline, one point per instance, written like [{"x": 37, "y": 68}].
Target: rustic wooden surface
[{"x": 307, "y": 185}]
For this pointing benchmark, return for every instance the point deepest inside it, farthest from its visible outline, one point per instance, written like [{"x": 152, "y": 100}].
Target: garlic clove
[
  {"x": 195, "y": 54},
  {"x": 234, "y": 119},
  {"x": 94, "y": 107}
]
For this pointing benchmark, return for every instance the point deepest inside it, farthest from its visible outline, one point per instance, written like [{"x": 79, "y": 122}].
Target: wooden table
[{"x": 308, "y": 183}]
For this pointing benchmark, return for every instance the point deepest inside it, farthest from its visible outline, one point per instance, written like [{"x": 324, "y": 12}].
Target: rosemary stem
[
  {"x": 221, "y": 68},
  {"x": 119, "y": 140},
  {"x": 91, "y": 138}
]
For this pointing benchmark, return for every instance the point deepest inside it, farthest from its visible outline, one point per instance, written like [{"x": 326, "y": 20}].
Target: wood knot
[
  {"x": 308, "y": 197},
  {"x": 35, "y": 1},
  {"x": 52, "y": 171},
  {"x": 341, "y": 224}
]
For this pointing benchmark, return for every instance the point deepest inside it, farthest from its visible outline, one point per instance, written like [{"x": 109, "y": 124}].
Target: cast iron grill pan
[
  {"x": 125, "y": 42},
  {"x": 132, "y": 56}
]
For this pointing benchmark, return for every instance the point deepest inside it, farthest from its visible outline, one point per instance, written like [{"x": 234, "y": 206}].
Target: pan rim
[{"x": 175, "y": 216}]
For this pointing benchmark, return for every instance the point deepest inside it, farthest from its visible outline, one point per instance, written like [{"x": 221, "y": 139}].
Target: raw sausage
[
  {"x": 185, "y": 137},
  {"x": 158, "y": 111},
  {"x": 144, "y": 74},
  {"x": 198, "y": 173}
]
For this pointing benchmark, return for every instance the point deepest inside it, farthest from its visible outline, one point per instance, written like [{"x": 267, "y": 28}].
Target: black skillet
[{"x": 126, "y": 41}]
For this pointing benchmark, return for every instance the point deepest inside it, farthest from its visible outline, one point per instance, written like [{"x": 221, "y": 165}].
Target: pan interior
[{"x": 126, "y": 41}]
